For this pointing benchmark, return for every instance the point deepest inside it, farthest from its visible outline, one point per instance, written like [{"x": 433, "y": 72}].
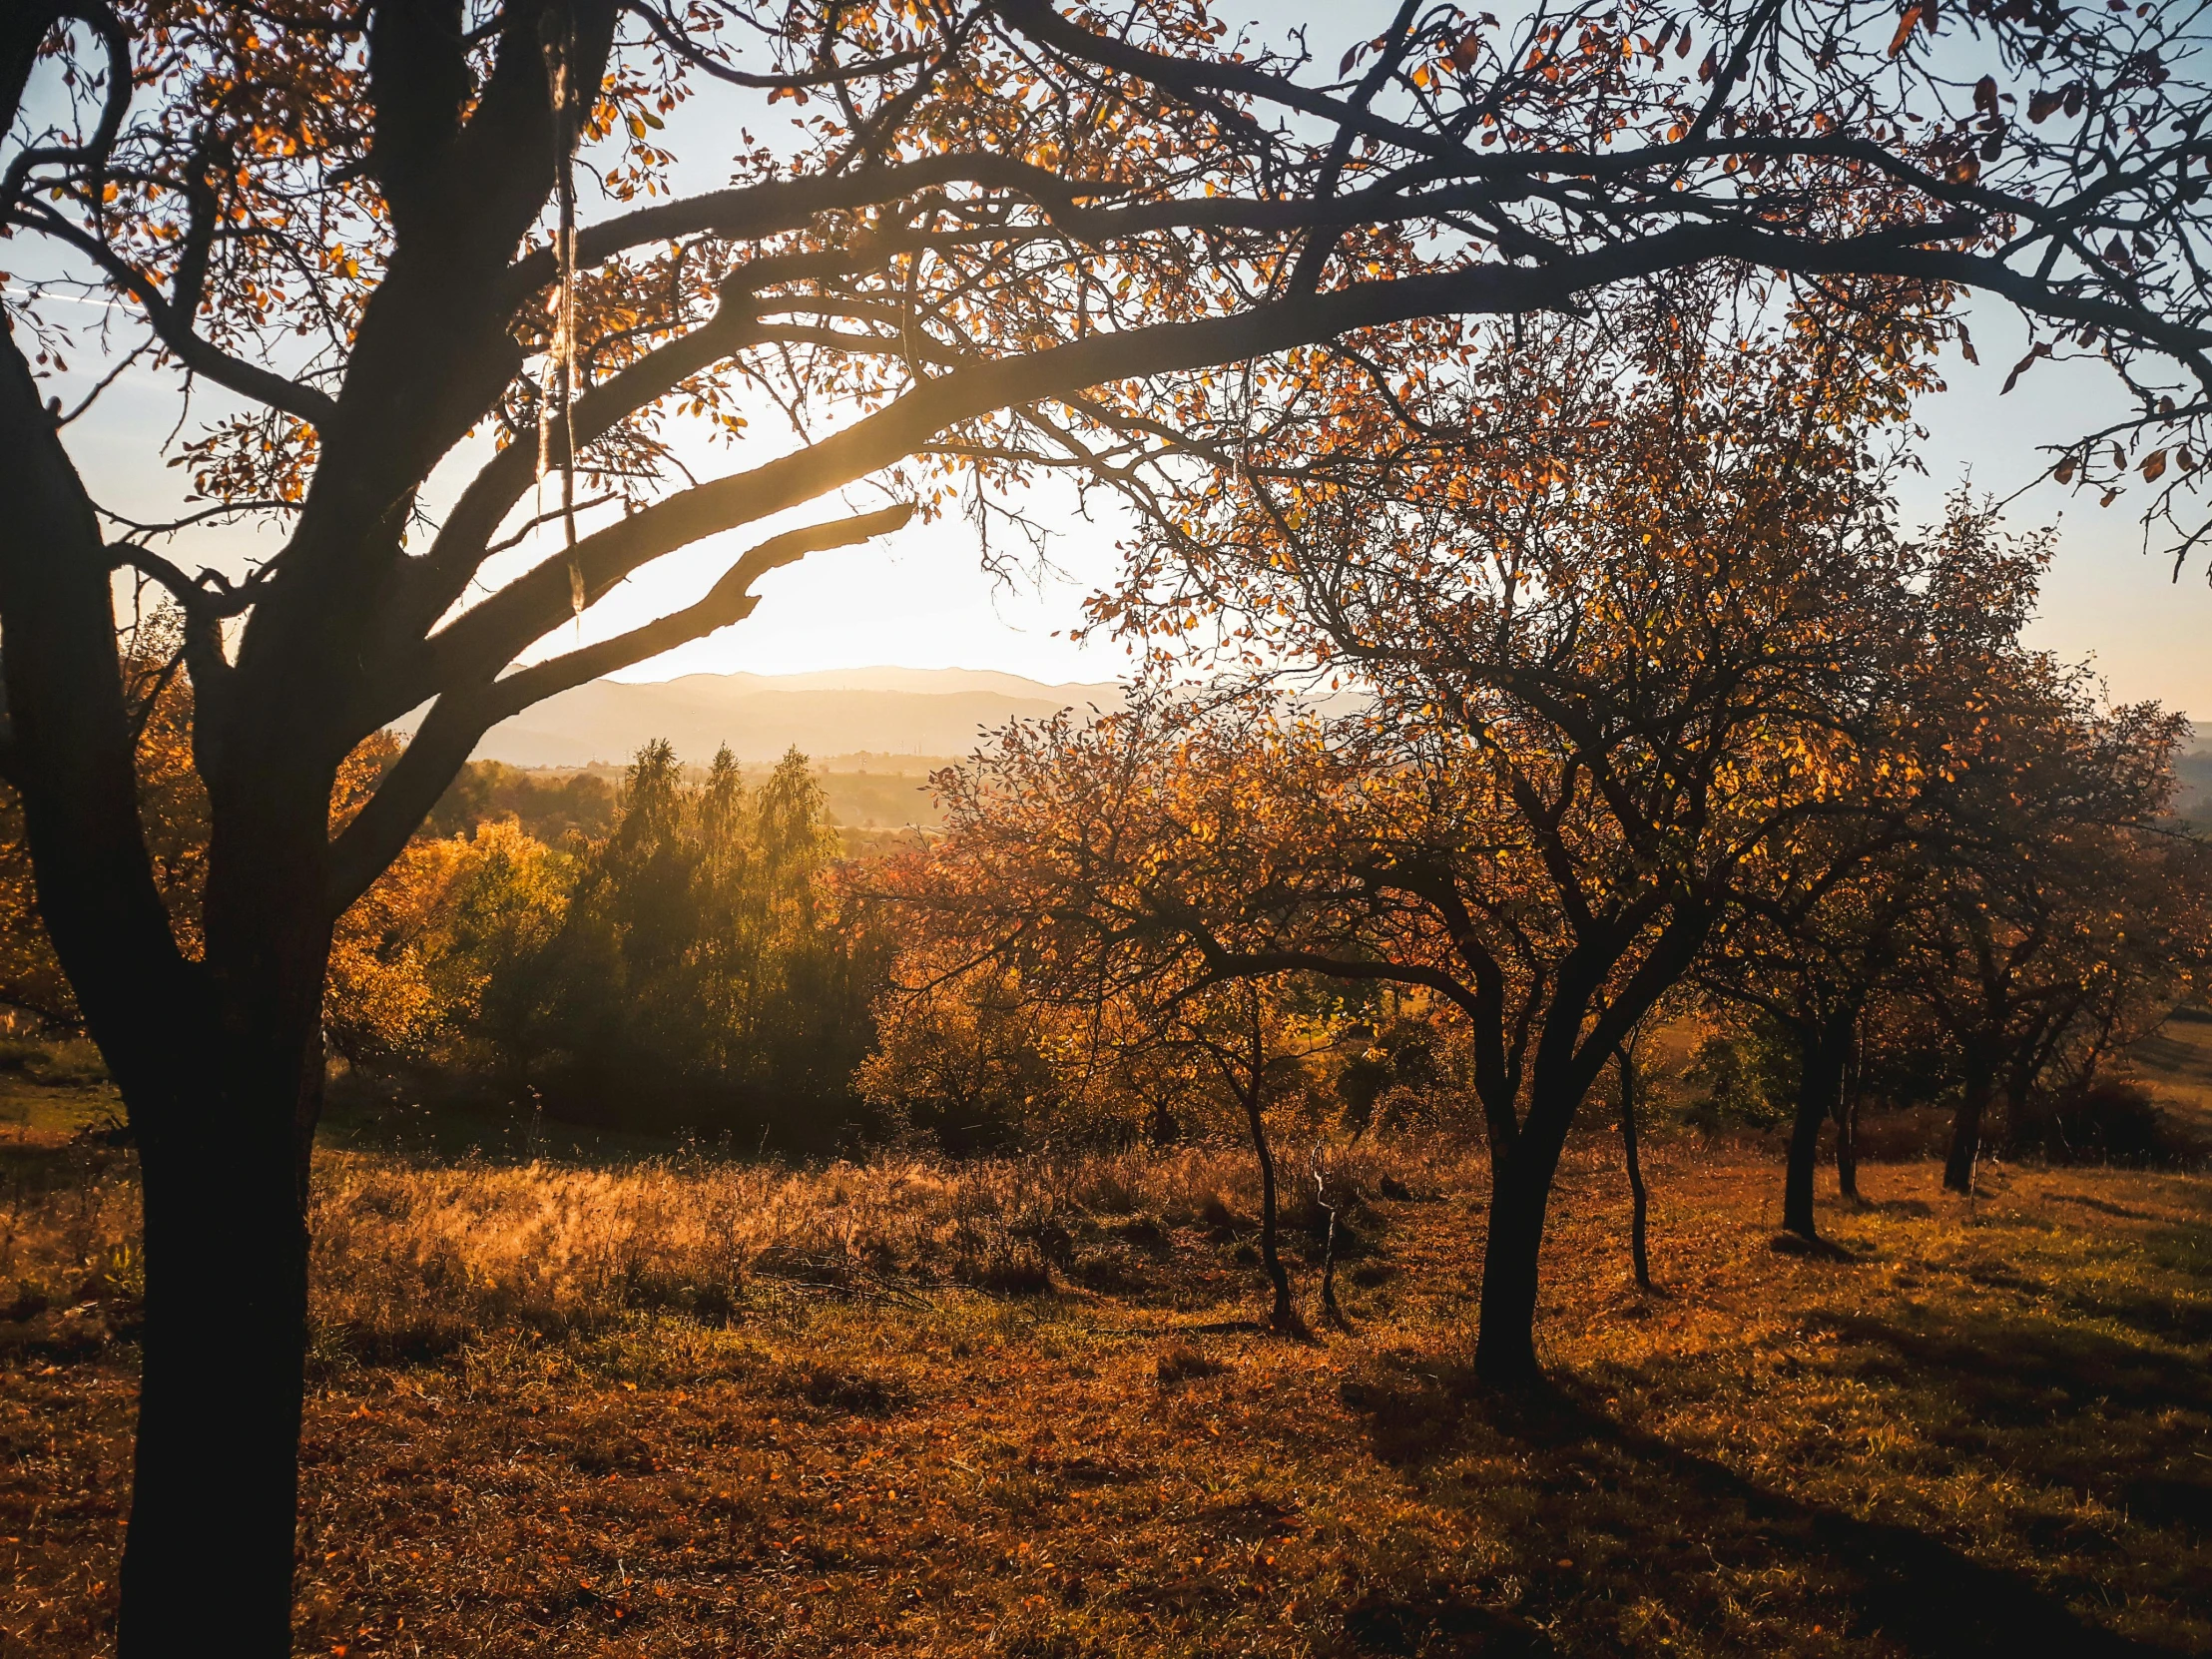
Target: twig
[{"x": 1328, "y": 1247}]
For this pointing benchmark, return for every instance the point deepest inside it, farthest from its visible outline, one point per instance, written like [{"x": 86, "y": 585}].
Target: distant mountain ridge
[{"x": 887, "y": 711}]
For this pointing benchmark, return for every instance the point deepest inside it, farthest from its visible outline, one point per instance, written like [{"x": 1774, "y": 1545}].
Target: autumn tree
[
  {"x": 1628, "y": 608},
  {"x": 2029, "y": 915},
  {"x": 1810, "y": 956},
  {"x": 2028, "y": 887},
  {"x": 415, "y": 232},
  {"x": 1823, "y": 913},
  {"x": 492, "y": 959},
  {"x": 1585, "y": 730},
  {"x": 1092, "y": 872},
  {"x": 961, "y": 1059},
  {"x": 1247, "y": 1037}
]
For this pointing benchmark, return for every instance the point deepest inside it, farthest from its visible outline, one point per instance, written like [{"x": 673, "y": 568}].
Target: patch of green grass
[{"x": 30, "y": 1101}]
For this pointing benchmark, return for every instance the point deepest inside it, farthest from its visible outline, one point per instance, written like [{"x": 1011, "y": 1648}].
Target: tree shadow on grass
[
  {"x": 2015, "y": 1371},
  {"x": 2061, "y": 1405},
  {"x": 1605, "y": 1514}
]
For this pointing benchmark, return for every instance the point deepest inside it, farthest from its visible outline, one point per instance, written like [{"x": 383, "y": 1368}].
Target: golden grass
[
  {"x": 2175, "y": 1063},
  {"x": 702, "y": 1408}
]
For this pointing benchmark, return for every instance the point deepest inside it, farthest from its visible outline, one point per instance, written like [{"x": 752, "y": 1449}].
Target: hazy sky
[{"x": 919, "y": 599}]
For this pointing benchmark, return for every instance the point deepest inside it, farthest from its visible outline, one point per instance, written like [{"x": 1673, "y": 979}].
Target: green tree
[{"x": 706, "y": 970}]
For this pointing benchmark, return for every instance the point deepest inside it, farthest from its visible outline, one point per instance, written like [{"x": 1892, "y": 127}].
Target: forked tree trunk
[
  {"x": 1639, "y": 1205},
  {"x": 1966, "y": 1129},
  {"x": 1522, "y": 1167},
  {"x": 1819, "y": 1086}
]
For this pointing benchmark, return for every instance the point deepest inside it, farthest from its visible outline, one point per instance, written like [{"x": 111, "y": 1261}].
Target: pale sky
[
  {"x": 919, "y": 599},
  {"x": 2103, "y": 598}
]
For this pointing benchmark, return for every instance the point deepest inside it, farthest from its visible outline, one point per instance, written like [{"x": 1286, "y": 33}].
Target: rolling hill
[{"x": 886, "y": 712}]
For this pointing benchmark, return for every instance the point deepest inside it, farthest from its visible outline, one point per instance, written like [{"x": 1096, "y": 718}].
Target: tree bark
[
  {"x": 1822, "y": 1048},
  {"x": 1846, "y": 1134},
  {"x": 1966, "y": 1129},
  {"x": 1520, "y": 1194},
  {"x": 1638, "y": 1202},
  {"x": 214, "y": 1480},
  {"x": 1520, "y": 1197},
  {"x": 224, "y": 1161}
]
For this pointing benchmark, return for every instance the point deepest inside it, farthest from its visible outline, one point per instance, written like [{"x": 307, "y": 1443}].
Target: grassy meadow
[{"x": 685, "y": 1406}]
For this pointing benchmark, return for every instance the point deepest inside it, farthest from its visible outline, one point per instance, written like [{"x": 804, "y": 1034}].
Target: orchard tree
[
  {"x": 1629, "y": 609},
  {"x": 1811, "y": 953},
  {"x": 2033, "y": 889},
  {"x": 2052, "y": 899},
  {"x": 387, "y": 237},
  {"x": 1122, "y": 878}
]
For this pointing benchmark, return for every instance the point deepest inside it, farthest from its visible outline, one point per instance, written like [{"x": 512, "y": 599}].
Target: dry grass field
[{"x": 698, "y": 1408}]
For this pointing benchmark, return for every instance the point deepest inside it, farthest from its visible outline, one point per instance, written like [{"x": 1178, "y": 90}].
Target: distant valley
[
  {"x": 887, "y": 726},
  {"x": 893, "y": 719}
]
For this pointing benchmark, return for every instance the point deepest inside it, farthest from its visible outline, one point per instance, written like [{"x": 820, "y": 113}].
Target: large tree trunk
[
  {"x": 224, "y": 1155},
  {"x": 1523, "y": 1169},
  {"x": 213, "y": 1494},
  {"x": 1521, "y": 1195},
  {"x": 1966, "y": 1129},
  {"x": 213, "y": 1080},
  {"x": 1823, "y": 1046}
]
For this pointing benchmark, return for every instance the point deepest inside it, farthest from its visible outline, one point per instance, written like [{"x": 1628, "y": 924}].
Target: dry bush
[
  {"x": 69, "y": 1226},
  {"x": 1180, "y": 1362}
]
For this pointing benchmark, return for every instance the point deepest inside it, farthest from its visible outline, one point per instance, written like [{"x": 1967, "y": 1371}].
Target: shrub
[
  {"x": 2109, "y": 1122},
  {"x": 1746, "y": 1081}
]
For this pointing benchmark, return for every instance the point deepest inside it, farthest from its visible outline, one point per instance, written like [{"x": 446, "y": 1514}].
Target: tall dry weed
[{"x": 412, "y": 1258}]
